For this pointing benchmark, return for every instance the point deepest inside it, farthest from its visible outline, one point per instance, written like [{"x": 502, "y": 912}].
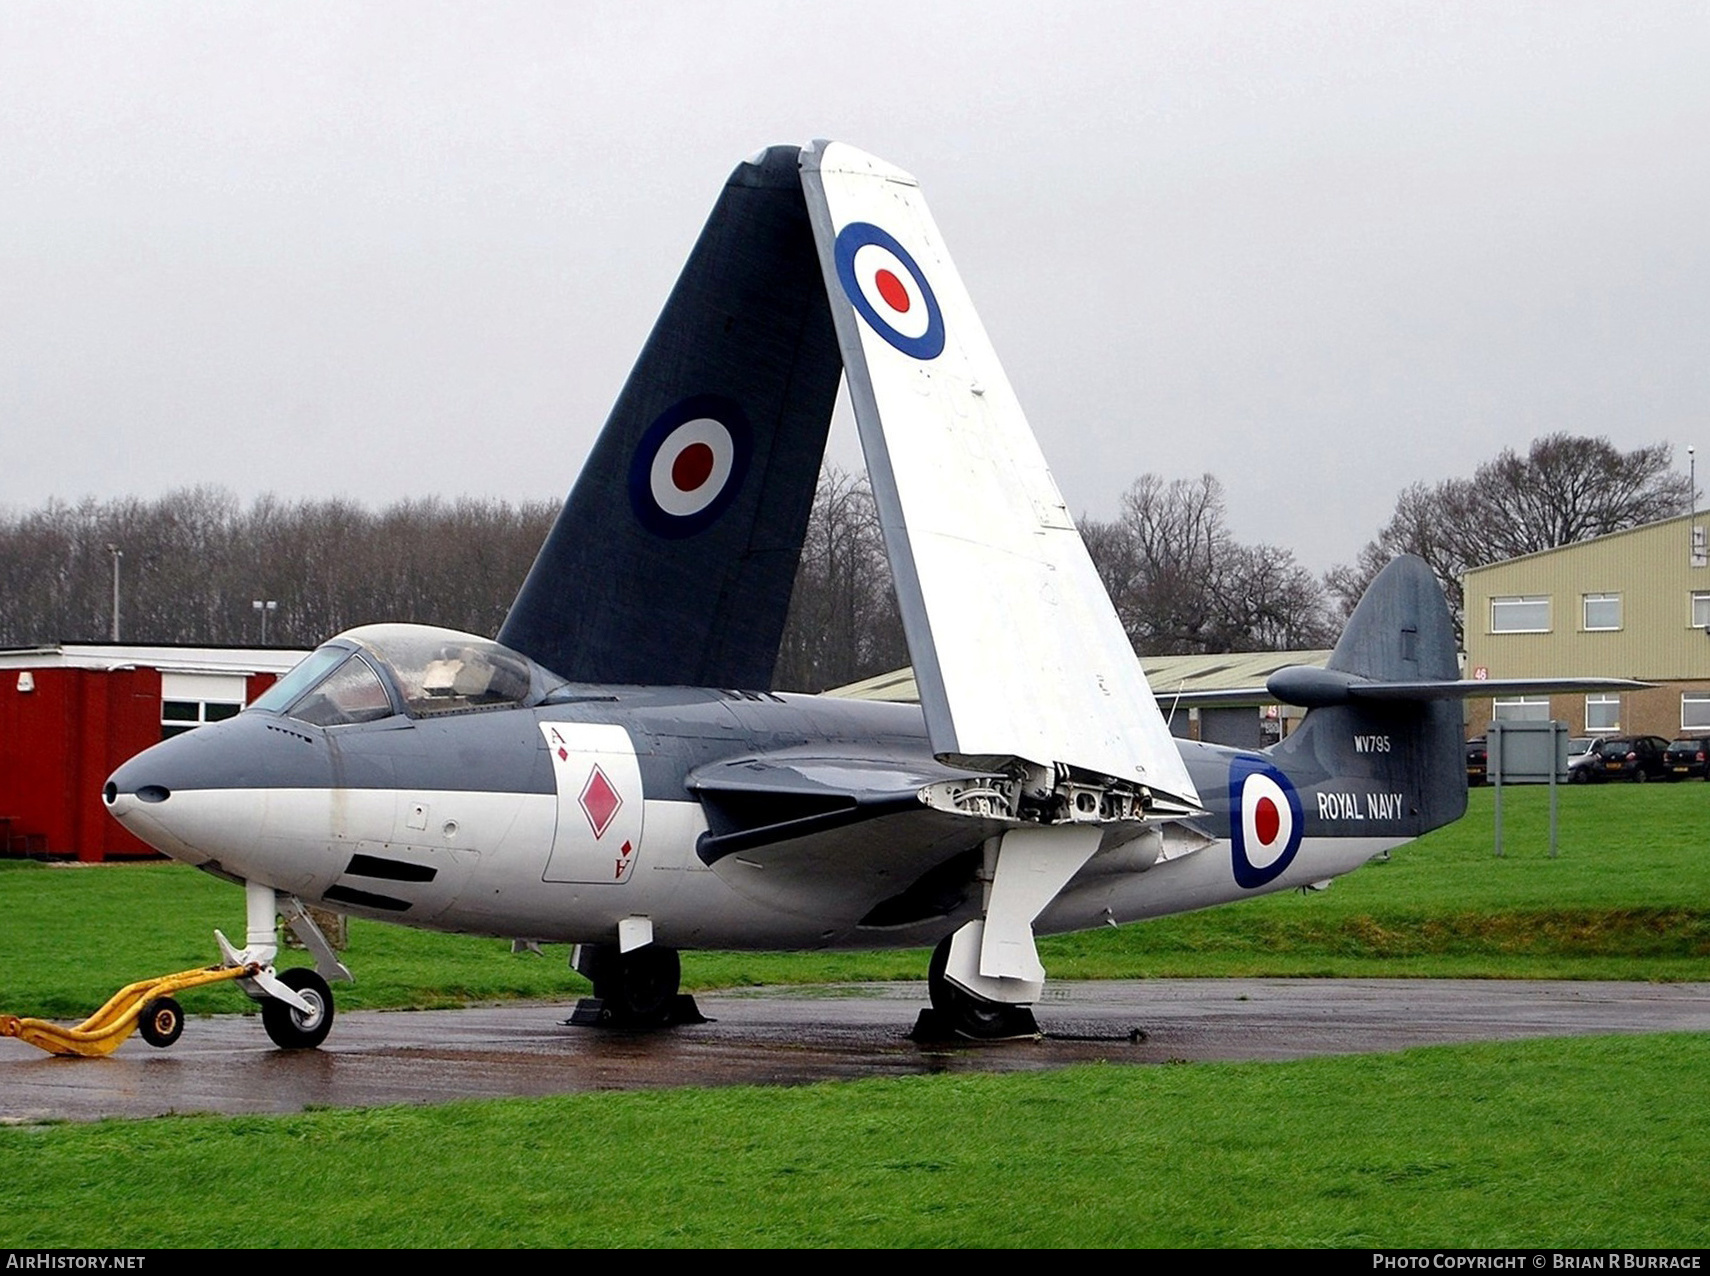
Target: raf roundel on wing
[
  {"x": 1265, "y": 822},
  {"x": 689, "y": 465},
  {"x": 889, "y": 290}
]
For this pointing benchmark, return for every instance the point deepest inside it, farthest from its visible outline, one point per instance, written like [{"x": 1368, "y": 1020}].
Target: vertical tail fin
[
  {"x": 1400, "y": 633},
  {"x": 673, "y": 559}
]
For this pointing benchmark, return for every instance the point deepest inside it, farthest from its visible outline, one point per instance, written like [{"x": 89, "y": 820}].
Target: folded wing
[{"x": 1017, "y": 650}]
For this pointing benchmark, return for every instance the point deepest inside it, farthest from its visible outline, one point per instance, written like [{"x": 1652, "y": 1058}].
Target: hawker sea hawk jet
[{"x": 613, "y": 773}]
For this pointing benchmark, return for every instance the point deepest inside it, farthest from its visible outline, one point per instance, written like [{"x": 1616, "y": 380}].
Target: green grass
[
  {"x": 1591, "y": 1143},
  {"x": 1627, "y": 898}
]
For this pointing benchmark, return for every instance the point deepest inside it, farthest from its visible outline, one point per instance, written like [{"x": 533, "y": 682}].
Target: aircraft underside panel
[
  {"x": 1202, "y": 879},
  {"x": 842, "y": 875}
]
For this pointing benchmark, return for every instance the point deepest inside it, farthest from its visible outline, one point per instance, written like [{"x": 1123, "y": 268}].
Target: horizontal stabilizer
[
  {"x": 1017, "y": 650},
  {"x": 1471, "y": 688},
  {"x": 1311, "y": 687}
]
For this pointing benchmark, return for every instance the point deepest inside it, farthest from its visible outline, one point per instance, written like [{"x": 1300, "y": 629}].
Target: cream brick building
[{"x": 1632, "y": 605}]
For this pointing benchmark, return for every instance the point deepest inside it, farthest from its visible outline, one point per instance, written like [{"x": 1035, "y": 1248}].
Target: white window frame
[
  {"x": 205, "y": 711},
  {"x": 1521, "y": 709},
  {"x": 1520, "y": 600},
  {"x": 1586, "y": 601},
  {"x": 1698, "y": 609},
  {"x": 1700, "y": 719},
  {"x": 208, "y": 697},
  {"x": 1603, "y": 700}
]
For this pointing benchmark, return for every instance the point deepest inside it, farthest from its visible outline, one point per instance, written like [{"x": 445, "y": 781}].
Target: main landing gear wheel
[
  {"x": 161, "y": 1022},
  {"x": 290, "y": 1028},
  {"x": 637, "y": 989},
  {"x": 966, "y": 1015}
]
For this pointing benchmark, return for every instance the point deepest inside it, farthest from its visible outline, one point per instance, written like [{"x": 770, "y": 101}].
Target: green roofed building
[{"x": 1249, "y": 723}]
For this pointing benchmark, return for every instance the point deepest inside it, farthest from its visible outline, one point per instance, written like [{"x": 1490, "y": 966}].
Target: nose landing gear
[{"x": 296, "y": 1004}]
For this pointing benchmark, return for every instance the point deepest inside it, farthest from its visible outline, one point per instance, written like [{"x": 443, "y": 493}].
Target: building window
[
  {"x": 179, "y": 716},
  {"x": 1522, "y": 709},
  {"x": 190, "y": 700},
  {"x": 1602, "y": 611},
  {"x": 1701, "y": 609},
  {"x": 1521, "y": 615},
  {"x": 1602, "y": 713},
  {"x": 1695, "y": 711}
]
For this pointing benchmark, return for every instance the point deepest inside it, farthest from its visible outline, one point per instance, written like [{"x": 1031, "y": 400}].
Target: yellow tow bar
[{"x": 147, "y": 1004}]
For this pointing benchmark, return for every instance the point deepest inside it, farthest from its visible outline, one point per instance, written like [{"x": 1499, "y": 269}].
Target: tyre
[
  {"x": 968, "y": 1015},
  {"x": 290, "y": 1028},
  {"x": 638, "y": 989},
  {"x": 1639, "y": 776},
  {"x": 161, "y": 1022}
]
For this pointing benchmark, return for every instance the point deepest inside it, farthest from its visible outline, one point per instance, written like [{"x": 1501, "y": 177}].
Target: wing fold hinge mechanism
[{"x": 1016, "y": 789}]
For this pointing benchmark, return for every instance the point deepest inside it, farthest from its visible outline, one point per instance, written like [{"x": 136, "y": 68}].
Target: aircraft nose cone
[
  {"x": 191, "y": 797},
  {"x": 139, "y": 796}
]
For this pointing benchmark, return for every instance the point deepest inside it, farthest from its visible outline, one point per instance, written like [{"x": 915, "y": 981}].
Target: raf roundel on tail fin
[{"x": 690, "y": 465}]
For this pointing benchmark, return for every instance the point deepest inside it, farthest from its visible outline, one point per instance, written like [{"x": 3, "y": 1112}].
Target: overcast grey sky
[{"x": 1320, "y": 250}]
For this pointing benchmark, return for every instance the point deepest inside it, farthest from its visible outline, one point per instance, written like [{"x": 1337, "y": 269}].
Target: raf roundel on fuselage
[{"x": 1265, "y": 822}]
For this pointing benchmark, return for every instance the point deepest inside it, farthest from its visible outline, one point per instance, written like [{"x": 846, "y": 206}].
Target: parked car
[
  {"x": 1636, "y": 757},
  {"x": 1687, "y": 757},
  {"x": 1582, "y": 756},
  {"x": 1477, "y": 760}
]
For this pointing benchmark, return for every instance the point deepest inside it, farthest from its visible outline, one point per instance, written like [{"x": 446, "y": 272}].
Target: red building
[{"x": 71, "y": 713}]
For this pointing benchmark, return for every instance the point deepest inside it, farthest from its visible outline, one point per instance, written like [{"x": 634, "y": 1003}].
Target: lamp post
[
  {"x": 264, "y": 606},
  {"x": 117, "y": 554}
]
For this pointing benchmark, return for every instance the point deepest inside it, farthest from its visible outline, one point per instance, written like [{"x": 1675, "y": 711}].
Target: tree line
[{"x": 195, "y": 561}]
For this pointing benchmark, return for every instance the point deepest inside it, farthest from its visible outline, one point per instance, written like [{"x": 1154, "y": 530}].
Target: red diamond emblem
[{"x": 600, "y": 801}]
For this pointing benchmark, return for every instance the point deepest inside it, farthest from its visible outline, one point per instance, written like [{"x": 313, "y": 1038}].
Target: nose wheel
[{"x": 294, "y": 1029}]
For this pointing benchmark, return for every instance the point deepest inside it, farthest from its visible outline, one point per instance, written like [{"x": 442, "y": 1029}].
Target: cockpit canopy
[{"x": 379, "y": 670}]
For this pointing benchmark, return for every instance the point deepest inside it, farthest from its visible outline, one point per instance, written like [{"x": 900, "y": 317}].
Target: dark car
[
  {"x": 1687, "y": 757},
  {"x": 1477, "y": 760},
  {"x": 1635, "y": 757}
]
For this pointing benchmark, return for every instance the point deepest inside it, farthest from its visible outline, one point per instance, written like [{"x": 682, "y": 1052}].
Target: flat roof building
[{"x": 70, "y": 713}]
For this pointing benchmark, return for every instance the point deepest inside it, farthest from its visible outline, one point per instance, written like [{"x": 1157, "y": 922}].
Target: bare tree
[
  {"x": 195, "y": 561},
  {"x": 1181, "y": 583},
  {"x": 843, "y": 623},
  {"x": 1565, "y": 489}
]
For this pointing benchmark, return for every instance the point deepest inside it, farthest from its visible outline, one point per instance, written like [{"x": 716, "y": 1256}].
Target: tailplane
[{"x": 1373, "y": 720}]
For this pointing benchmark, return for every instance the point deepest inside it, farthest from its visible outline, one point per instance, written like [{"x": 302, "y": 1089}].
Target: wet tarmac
[{"x": 226, "y": 1064}]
